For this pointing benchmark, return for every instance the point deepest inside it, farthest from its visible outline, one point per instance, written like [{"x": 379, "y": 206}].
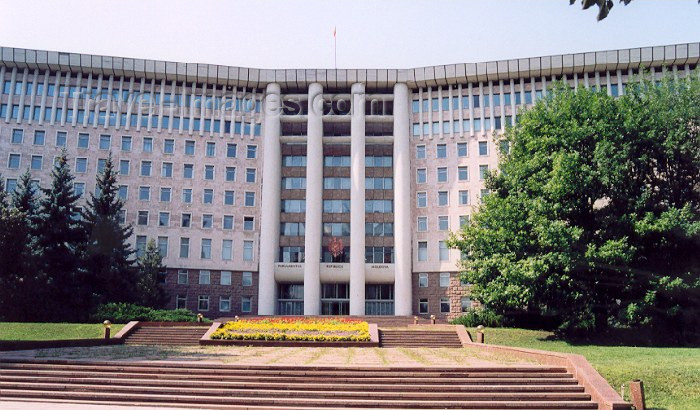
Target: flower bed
[{"x": 295, "y": 329}]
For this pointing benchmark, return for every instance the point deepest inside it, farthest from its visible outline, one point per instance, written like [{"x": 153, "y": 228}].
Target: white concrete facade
[{"x": 246, "y": 176}]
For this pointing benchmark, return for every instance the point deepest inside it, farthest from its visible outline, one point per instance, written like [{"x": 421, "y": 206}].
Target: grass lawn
[
  {"x": 53, "y": 331},
  {"x": 671, "y": 376}
]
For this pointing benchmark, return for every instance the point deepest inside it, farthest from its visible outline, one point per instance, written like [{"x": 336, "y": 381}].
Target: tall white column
[
  {"x": 403, "y": 297},
  {"x": 314, "y": 201},
  {"x": 357, "y": 201},
  {"x": 271, "y": 203}
]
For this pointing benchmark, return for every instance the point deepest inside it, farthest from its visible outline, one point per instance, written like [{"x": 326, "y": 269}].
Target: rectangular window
[
  {"x": 483, "y": 171},
  {"x": 422, "y": 224},
  {"x": 123, "y": 192},
  {"x": 81, "y": 165},
  {"x": 225, "y": 278},
  {"x": 249, "y": 199},
  {"x": 466, "y": 304},
  {"x": 441, "y": 150},
  {"x": 443, "y": 223},
  {"x": 420, "y": 151},
  {"x": 147, "y": 144},
  {"x": 421, "y": 199},
  {"x": 464, "y": 197},
  {"x": 166, "y": 170},
  {"x": 443, "y": 198},
  {"x": 182, "y": 277},
  {"x": 168, "y": 146},
  {"x": 146, "y": 168},
  {"x": 228, "y": 197},
  {"x": 39, "y": 137},
  {"x": 188, "y": 171},
  {"x": 189, "y": 147},
  {"x": 231, "y": 150},
  {"x": 164, "y": 219},
  {"x": 209, "y": 172},
  {"x": 247, "y": 250},
  {"x": 208, "y": 196},
  {"x": 227, "y": 222},
  {"x": 140, "y": 245},
  {"x": 422, "y": 251},
  {"x": 444, "y": 251},
  {"x": 203, "y": 303},
  {"x": 248, "y": 223},
  {"x": 184, "y": 247},
  {"x": 227, "y": 250},
  {"x": 126, "y": 143},
  {"x": 442, "y": 174},
  {"x": 444, "y": 279},
  {"x": 483, "y": 148},
  {"x": 211, "y": 149},
  {"x": 224, "y": 304},
  {"x": 187, "y": 195},
  {"x": 444, "y": 305},
  {"x": 61, "y": 138},
  {"x": 205, "y": 252},
  {"x": 14, "y": 161},
  {"x": 163, "y": 246},
  {"x": 79, "y": 188},
  {"x": 142, "y": 218},
  {"x": 463, "y": 220},
  {"x": 423, "y": 306},
  {"x": 105, "y": 142},
  {"x": 247, "y": 279},
  {"x": 463, "y": 173},
  {"x": 422, "y": 280},
  {"x": 181, "y": 302},
  {"x": 421, "y": 176},
  {"x": 462, "y": 149},
  {"x": 246, "y": 304},
  {"x": 17, "y": 136},
  {"x": 186, "y": 220},
  {"x": 230, "y": 174},
  {"x": 252, "y": 151},
  {"x": 250, "y": 175},
  {"x": 124, "y": 166},
  {"x": 37, "y": 161},
  {"x": 207, "y": 221}
]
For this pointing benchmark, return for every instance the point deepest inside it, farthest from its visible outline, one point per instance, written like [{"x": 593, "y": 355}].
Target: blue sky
[{"x": 378, "y": 34}]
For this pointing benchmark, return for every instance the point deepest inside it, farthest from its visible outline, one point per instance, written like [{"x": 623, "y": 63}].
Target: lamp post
[
  {"x": 480, "y": 334},
  {"x": 108, "y": 326}
]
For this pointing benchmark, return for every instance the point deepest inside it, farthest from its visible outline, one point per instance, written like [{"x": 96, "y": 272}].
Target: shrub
[
  {"x": 126, "y": 312},
  {"x": 477, "y": 316},
  {"x": 307, "y": 329}
]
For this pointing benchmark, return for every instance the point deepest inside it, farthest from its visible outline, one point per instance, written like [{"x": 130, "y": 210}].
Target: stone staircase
[
  {"x": 415, "y": 337},
  {"x": 198, "y": 385},
  {"x": 166, "y": 335}
]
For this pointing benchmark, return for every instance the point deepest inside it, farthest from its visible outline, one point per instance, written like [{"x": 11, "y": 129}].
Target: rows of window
[
  {"x": 126, "y": 143},
  {"x": 204, "y": 301},
  {"x": 187, "y": 220},
  {"x": 344, "y": 161},
  {"x": 457, "y": 126},
  {"x": 373, "y": 254},
  {"x": 338, "y": 229},
  {"x": 443, "y": 222},
  {"x": 166, "y": 194},
  {"x": 205, "y": 278},
  {"x": 462, "y": 149},
  {"x": 379, "y": 299},
  {"x": 180, "y": 99},
  {"x": 442, "y": 248},
  {"x": 442, "y": 198},
  {"x": 424, "y": 305},
  {"x": 205, "y": 248},
  {"x": 442, "y": 174}
]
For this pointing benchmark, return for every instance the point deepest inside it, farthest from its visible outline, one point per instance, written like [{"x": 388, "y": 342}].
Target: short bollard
[
  {"x": 199, "y": 317},
  {"x": 108, "y": 326},
  {"x": 637, "y": 394},
  {"x": 415, "y": 320},
  {"x": 432, "y": 319},
  {"x": 480, "y": 334}
]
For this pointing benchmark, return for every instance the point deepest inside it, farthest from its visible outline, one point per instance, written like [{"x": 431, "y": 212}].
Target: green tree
[
  {"x": 595, "y": 214},
  {"x": 110, "y": 271},
  {"x": 150, "y": 292},
  {"x": 61, "y": 242}
]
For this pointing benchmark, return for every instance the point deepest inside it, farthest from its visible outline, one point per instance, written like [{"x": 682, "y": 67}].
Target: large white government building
[{"x": 309, "y": 191}]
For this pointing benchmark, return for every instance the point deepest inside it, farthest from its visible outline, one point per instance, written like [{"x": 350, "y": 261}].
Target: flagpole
[{"x": 335, "y": 50}]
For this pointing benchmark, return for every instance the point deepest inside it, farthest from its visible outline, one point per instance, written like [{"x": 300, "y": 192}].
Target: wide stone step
[
  {"x": 255, "y": 401},
  {"x": 304, "y": 386}
]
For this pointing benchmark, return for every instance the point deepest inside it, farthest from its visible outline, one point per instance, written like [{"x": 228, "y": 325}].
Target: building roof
[{"x": 631, "y": 58}]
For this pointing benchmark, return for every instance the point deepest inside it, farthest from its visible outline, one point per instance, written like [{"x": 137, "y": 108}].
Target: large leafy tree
[
  {"x": 595, "y": 215},
  {"x": 150, "y": 292},
  {"x": 110, "y": 271},
  {"x": 61, "y": 243},
  {"x": 604, "y": 6}
]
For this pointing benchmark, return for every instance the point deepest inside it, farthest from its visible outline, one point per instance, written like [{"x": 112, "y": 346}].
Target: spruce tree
[
  {"x": 24, "y": 198},
  {"x": 150, "y": 265},
  {"x": 60, "y": 241},
  {"x": 109, "y": 269}
]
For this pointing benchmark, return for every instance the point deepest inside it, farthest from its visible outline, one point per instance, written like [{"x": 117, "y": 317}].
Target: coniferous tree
[
  {"x": 109, "y": 268},
  {"x": 60, "y": 241},
  {"x": 150, "y": 265},
  {"x": 24, "y": 198}
]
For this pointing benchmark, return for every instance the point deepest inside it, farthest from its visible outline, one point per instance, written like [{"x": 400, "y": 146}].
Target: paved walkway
[{"x": 332, "y": 356}]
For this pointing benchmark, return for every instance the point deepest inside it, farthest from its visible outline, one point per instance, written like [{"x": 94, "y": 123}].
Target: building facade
[{"x": 292, "y": 191}]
